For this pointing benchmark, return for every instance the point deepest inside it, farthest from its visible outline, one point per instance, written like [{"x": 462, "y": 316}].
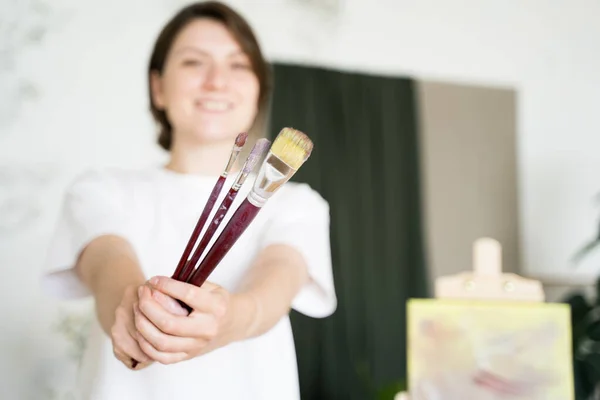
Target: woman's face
[{"x": 208, "y": 88}]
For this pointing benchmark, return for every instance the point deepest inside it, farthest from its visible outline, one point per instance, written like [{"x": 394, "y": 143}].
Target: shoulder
[
  {"x": 107, "y": 179},
  {"x": 106, "y": 186}
]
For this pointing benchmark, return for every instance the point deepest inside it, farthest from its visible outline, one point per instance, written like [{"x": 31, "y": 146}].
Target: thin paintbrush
[
  {"x": 255, "y": 156},
  {"x": 290, "y": 150},
  {"x": 183, "y": 266}
]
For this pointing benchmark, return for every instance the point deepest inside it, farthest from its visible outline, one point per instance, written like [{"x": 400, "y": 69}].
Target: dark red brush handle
[
  {"x": 240, "y": 220},
  {"x": 184, "y": 268},
  {"x": 217, "y": 219},
  {"x": 210, "y": 231}
]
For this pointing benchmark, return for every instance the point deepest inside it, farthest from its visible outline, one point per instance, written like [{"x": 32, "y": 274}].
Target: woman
[{"x": 207, "y": 81}]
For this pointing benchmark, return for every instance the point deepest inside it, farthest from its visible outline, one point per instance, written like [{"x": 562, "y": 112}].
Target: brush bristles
[
  {"x": 240, "y": 140},
  {"x": 259, "y": 149},
  {"x": 292, "y": 147}
]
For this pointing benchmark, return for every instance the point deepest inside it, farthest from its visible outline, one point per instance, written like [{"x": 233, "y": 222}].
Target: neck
[{"x": 206, "y": 159}]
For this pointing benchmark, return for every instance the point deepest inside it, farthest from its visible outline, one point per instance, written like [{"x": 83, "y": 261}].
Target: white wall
[{"x": 76, "y": 98}]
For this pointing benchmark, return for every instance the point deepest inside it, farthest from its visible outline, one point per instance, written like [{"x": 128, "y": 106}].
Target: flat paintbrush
[
  {"x": 290, "y": 150},
  {"x": 184, "y": 268},
  {"x": 240, "y": 141},
  {"x": 253, "y": 159}
]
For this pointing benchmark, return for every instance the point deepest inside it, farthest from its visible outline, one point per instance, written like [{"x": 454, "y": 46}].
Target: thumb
[
  {"x": 169, "y": 303},
  {"x": 210, "y": 286}
]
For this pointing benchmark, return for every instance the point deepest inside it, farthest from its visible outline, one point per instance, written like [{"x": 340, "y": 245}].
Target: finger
[
  {"x": 159, "y": 356},
  {"x": 161, "y": 341},
  {"x": 127, "y": 347},
  {"x": 123, "y": 318},
  {"x": 132, "y": 351},
  {"x": 169, "y": 303},
  {"x": 124, "y": 358},
  {"x": 131, "y": 363},
  {"x": 139, "y": 366},
  {"x": 200, "y": 325},
  {"x": 209, "y": 298},
  {"x": 143, "y": 365},
  {"x": 129, "y": 325},
  {"x": 127, "y": 360}
]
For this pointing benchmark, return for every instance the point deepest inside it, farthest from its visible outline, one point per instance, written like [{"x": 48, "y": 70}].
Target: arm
[
  {"x": 218, "y": 317},
  {"x": 265, "y": 296},
  {"x": 270, "y": 287},
  {"x": 108, "y": 267},
  {"x": 105, "y": 264}
]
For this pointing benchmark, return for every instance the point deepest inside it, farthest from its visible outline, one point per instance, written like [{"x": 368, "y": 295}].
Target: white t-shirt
[{"x": 156, "y": 211}]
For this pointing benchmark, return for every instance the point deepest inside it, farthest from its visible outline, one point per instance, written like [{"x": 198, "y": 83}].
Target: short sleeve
[
  {"x": 301, "y": 220},
  {"x": 92, "y": 207}
]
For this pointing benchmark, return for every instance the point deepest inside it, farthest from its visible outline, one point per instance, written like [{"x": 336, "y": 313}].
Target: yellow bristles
[{"x": 292, "y": 147}]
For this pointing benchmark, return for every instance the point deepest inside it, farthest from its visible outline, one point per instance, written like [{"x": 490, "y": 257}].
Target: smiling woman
[
  {"x": 208, "y": 81},
  {"x": 204, "y": 55},
  {"x": 207, "y": 52}
]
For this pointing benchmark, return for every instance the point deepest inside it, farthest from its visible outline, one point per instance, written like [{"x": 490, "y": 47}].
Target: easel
[{"x": 486, "y": 282}]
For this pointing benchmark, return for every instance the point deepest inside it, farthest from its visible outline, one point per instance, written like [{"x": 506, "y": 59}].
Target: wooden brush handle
[
  {"x": 242, "y": 218},
  {"x": 183, "y": 266},
  {"x": 210, "y": 231}
]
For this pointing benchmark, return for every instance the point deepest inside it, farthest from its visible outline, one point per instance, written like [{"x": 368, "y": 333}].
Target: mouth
[{"x": 214, "y": 106}]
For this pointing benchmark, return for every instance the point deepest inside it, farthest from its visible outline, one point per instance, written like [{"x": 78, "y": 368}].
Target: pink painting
[{"x": 463, "y": 350}]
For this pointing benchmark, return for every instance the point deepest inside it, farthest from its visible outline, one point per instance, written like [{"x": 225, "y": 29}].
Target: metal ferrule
[
  {"x": 272, "y": 175},
  {"x": 241, "y": 178},
  {"x": 232, "y": 159}
]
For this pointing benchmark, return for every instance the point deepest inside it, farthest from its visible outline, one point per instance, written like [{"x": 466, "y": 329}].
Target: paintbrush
[
  {"x": 183, "y": 268},
  {"x": 255, "y": 156},
  {"x": 183, "y": 265},
  {"x": 290, "y": 150}
]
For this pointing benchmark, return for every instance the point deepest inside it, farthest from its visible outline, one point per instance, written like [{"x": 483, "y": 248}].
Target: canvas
[{"x": 489, "y": 350}]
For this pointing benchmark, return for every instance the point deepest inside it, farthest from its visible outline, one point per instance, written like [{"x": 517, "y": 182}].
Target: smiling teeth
[{"x": 212, "y": 105}]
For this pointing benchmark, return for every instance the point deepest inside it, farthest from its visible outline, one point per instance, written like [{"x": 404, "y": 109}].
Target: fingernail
[{"x": 154, "y": 281}]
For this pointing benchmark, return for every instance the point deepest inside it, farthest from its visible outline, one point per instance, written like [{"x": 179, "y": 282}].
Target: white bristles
[{"x": 292, "y": 147}]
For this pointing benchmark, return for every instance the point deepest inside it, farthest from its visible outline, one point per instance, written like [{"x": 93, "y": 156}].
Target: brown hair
[{"x": 240, "y": 30}]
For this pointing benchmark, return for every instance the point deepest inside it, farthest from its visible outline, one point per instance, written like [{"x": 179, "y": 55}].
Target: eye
[
  {"x": 243, "y": 66},
  {"x": 191, "y": 62}
]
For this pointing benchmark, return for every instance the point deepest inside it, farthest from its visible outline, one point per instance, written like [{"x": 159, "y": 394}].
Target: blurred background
[{"x": 435, "y": 122}]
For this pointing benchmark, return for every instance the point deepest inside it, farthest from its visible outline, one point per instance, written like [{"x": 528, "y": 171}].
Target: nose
[{"x": 216, "y": 77}]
